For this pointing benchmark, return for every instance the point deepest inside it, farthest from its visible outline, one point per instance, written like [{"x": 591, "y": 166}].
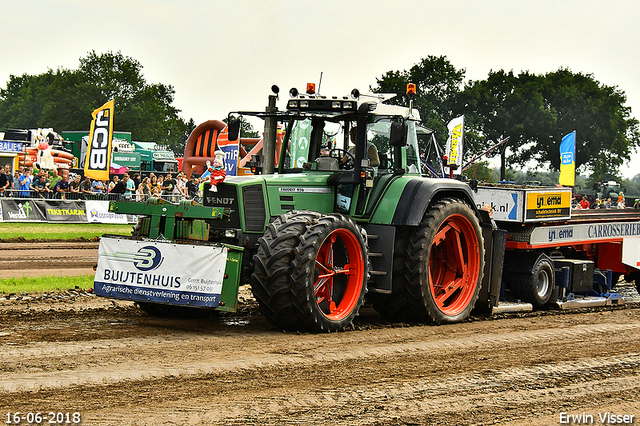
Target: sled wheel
[
  {"x": 330, "y": 273},
  {"x": 444, "y": 263},
  {"x": 537, "y": 286}
]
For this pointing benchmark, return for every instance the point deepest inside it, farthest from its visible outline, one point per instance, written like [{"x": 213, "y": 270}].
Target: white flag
[{"x": 454, "y": 143}]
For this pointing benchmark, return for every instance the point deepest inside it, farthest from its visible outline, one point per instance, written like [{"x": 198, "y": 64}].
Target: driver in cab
[{"x": 372, "y": 151}]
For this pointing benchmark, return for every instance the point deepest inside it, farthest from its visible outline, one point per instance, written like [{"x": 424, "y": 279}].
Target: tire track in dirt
[
  {"x": 517, "y": 391},
  {"x": 109, "y": 356}
]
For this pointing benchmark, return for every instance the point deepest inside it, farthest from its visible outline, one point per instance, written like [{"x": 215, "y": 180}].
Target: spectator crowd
[
  {"x": 25, "y": 183},
  {"x": 602, "y": 203}
]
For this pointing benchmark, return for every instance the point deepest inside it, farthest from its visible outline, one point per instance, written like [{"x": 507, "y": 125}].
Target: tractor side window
[
  {"x": 378, "y": 135},
  {"x": 413, "y": 151},
  {"x": 299, "y": 143}
]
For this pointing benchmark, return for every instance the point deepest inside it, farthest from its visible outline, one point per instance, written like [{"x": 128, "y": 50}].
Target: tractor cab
[{"x": 358, "y": 142}]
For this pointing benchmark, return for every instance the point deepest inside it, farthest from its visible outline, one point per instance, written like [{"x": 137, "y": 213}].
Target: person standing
[
  {"x": 86, "y": 187},
  {"x": 74, "y": 187},
  {"x": 25, "y": 182},
  {"x": 169, "y": 186},
  {"x": 62, "y": 187},
  {"x": 584, "y": 203},
  {"x": 113, "y": 183},
  {"x": 154, "y": 181},
  {"x": 192, "y": 187},
  {"x": 181, "y": 188},
  {"x": 55, "y": 178},
  {"x": 144, "y": 190},
  {"x": 98, "y": 186},
  {"x": 7, "y": 171},
  {"x": 129, "y": 187},
  {"x": 40, "y": 185},
  {"x": 136, "y": 179},
  {"x": 4, "y": 182}
]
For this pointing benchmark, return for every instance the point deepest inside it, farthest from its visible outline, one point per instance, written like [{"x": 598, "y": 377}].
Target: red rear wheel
[
  {"x": 454, "y": 265},
  {"x": 438, "y": 270}
]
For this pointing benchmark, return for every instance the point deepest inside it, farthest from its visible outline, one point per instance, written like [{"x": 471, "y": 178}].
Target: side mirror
[
  {"x": 233, "y": 129},
  {"x": 398, "y": 135}
]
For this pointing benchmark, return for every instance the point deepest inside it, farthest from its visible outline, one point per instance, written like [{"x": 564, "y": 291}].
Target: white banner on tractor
[
  {"x": 151, "y": 271},
  {"x": 454, "y": 149}
]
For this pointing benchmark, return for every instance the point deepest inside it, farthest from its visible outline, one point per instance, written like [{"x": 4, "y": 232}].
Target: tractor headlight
[{"x": 229, "y": 233}]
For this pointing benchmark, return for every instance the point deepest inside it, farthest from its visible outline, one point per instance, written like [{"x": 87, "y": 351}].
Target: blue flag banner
[{"x": 568, "y": 160}]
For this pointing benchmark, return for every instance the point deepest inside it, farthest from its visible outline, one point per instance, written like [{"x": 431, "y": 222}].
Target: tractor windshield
[{"x": 316, "y": 144}]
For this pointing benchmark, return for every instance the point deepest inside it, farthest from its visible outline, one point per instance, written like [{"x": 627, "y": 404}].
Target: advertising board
[{"x": 160, "y": 272}]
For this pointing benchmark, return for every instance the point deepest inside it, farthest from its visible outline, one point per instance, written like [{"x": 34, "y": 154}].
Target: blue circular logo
[{"x": 148, "y": 258}]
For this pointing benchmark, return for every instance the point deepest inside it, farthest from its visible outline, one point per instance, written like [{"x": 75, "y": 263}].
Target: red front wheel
[{"x": 330, "y": 273}]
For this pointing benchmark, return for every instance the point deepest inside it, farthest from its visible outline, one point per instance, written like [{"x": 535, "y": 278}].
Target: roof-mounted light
[
  {"x": 293, "y": 92},
  {"x": 311, "y": 88}
]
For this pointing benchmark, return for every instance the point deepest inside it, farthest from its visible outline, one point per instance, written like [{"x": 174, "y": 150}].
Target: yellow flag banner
[
  {"x": 454, "y": 147},
  {"x": 98, "y": 159},
  {"x": 568, "y": 160}
]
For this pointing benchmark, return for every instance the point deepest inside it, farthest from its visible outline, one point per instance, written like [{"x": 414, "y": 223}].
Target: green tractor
[{"x": 338, "y": 212}]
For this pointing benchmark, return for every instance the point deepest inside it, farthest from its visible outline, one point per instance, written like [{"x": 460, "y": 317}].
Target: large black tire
[
  {"x": 271, "y": 281},
  {"x": 330, "y": 273},
  {"x": 537, "y": 286},
  {"x": 438, "y": 271},
  {"x": 297, "y": 249}
]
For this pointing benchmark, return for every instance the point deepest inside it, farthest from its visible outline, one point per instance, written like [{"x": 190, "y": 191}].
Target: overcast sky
[{"x": 222, "y": 56}]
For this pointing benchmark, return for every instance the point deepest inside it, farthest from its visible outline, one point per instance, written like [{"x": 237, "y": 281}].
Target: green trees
[
  {"x": 64, "y": 100},
  {"x": 438, "y": 84},
  {"x": 535, "y": 111}
]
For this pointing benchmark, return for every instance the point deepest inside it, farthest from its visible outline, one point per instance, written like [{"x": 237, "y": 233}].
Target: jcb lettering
[{"x": 100, "y": 143}]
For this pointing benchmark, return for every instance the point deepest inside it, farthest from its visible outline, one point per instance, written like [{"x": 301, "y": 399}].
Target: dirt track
[
  {"x": 116, "y": 365},
  {"x": 74, "y": 352},
  {"x": 47, "y": 258}
]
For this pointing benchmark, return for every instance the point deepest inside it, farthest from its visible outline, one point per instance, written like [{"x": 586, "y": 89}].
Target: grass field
[
  {"x": 45, "y": 284},
  {"x": 49, "y": 231},
  {"x": 59, "y": 231}
]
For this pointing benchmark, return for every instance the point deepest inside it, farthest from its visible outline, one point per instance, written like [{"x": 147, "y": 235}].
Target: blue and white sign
[
  {"x": 98, "y": 212},
  {"x": 10, "y": 146},
  {"x": 567, "y": 158},
  {"x": 151, "y": 271},
  {"x": 507, "y": 205}
]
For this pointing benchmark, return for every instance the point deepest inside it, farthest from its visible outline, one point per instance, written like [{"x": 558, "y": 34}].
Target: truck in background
[
  {"x": 155, "y": 158},
  {"x": 143, "y": 157}
]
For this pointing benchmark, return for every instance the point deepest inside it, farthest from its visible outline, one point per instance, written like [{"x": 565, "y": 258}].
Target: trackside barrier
[{"x": 59, "y": 211}]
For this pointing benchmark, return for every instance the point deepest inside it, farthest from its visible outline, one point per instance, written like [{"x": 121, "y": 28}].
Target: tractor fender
[{"x": 419, "y": 193}]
